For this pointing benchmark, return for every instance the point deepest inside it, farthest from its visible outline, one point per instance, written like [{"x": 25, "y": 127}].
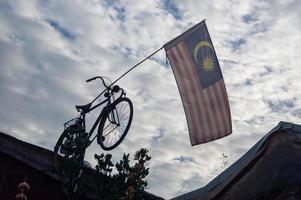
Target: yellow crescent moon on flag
[{"x": 200, "y": 45}]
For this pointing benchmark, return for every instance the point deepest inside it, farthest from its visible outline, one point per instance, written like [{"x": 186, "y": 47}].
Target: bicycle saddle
[{"x": 83, "y": 108}]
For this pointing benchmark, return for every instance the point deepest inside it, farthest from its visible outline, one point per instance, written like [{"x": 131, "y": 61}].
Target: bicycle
[{"x": 113, "y": 123}]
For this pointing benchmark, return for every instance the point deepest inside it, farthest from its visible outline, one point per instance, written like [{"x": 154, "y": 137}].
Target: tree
[{"x": 129, "y": 181}]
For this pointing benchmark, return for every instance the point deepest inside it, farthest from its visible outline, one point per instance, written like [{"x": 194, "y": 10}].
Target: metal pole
[
  {"x": 128, "y": 72},
  {"x": 136, "y": 65}
]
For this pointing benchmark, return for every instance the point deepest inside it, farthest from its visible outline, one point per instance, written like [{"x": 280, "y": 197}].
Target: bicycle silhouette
[{"x": 113, "y": 124}]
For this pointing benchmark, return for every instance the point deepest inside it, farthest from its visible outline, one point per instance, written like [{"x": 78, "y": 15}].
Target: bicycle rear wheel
[
  {"x": 115, "y": 124},
  {"x": 68, "y": 145}
]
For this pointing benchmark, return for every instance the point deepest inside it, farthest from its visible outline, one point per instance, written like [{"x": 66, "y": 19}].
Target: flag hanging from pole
[{"x": 201, "y": 85}]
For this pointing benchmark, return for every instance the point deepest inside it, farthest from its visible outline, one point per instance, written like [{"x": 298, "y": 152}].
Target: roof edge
[{"x": 242, "y": 161}]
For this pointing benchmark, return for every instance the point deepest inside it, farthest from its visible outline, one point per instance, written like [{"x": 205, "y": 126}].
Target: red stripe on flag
[
  {"x": 227, "y": 114},
  {"x": 201, "y": 134},
  {"x": 208, "y": 106},
  {"x": 222, "y": 106},
  {"x": 215, "y": 111},
  {"x": 205, "y": 123},
  {"x": 207, "y": 109},
  {"x": 191, "y": 91},
  {"x": 204, "y": 102},
  {"x": 215, "y": 107},
  {"x": 184, "y": 92}
]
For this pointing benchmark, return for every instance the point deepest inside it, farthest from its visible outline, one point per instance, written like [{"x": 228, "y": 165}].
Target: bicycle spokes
[
  {"x": 113, "y": 117},
  {"x": 115, "y": 124}
]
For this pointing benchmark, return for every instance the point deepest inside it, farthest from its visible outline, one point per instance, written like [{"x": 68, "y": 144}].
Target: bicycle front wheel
[{"x": 115, "y": 123}]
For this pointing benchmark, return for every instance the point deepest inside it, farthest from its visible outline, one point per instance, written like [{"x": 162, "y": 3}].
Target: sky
[{"x": 49, "y": 48}]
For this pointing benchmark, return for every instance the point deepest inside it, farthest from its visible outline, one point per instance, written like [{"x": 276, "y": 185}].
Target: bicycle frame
[
  {"x": 83, "y": 116},
  {"x": 109, "y": 95}
]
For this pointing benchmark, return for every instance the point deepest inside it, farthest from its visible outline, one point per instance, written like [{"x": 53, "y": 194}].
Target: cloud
[
  {"x": 184, "y": 159},
  {"x": 62, "y": 30},
  {"x": 172, "y": 8},
  {"x": 49, "y": 48}
]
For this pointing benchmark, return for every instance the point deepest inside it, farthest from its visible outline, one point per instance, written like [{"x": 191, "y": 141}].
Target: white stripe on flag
[
  {"x": 209, "y": 119},
  {"x": 206, "y": 109},
  {"x": 190, "y": 91},
  {"x": 222, "y": 106},
  {"x": 206, "y": 106},
  {"x": 204, "y": 122},
  {"x": 225, "y": 105},
  {"x": 183, "y": 91}
]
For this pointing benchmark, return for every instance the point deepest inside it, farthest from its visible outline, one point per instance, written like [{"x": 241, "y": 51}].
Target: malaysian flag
[{"x": 201, "y": 85}]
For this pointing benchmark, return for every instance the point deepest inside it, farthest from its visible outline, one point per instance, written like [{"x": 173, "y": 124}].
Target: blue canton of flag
[
  {"x": 201, "y": 51},
  {"x": 201, "y": 85}
]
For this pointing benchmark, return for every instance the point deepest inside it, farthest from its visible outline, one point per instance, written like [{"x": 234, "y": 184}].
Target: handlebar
[
  {"x": 109, "y": 90},
  {"x": 115, "y": 89},
  {"x": 91, "y": 79},
  {"x": 96, "y": 77}
]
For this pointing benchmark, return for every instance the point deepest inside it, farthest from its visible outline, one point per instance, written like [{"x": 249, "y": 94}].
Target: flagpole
[
  {"x": 181, "y": 35},
  {"x": 125, "y": 73}
]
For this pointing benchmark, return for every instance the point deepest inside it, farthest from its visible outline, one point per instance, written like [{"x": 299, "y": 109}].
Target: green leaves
[
  {"x": 104, "y": 166},
  {"x": 128, "y": 183}
]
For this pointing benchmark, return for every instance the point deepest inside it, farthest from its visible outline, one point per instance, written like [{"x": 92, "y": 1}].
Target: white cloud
[{"x": 49, "y": 48}]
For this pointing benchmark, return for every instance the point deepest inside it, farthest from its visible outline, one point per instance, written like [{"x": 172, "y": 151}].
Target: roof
[
  {"x": 32, "y": 155},
  {"x": 285, "y": 138},
  {"x": 39, "y": 158}
]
